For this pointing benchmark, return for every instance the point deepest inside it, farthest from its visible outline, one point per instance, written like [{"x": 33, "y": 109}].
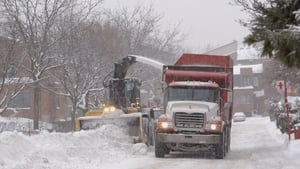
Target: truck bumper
[{"x": 189, "y": 138}]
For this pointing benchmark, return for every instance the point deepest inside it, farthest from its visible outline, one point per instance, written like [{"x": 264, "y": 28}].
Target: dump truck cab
[
  {"x": 192, "y": 91},
  {"x": 192, "y": 97}
]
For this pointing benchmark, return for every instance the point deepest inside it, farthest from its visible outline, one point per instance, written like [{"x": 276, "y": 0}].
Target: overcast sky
[{"x": 206, "y": 22}]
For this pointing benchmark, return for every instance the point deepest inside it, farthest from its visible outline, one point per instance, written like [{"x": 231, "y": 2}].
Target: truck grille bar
[{"x": 189, "y": 120}]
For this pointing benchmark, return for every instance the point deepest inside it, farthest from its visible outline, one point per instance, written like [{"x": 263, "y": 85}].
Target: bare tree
[
  {"x": 88, "y": 52},
  {"x": 140, "y": 32},
  {"x": 12, "y": 81},
  {"x": 80, "y": 75},
  {"x": 33, "y": 23},
  {"x": 135, "y": 26}
]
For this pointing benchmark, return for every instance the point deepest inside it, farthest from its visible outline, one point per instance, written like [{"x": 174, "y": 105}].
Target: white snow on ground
[
  {"x": 20, "y": 124},
  {"x": 256, "y": 143},
  {"x": 86, "y": 149}
]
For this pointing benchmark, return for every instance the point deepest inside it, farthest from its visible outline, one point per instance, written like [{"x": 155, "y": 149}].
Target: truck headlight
[
  {"x": 214, "y": 126},
  {"x": 112, "y": 109},
  {"x": 164, "y": 124}
]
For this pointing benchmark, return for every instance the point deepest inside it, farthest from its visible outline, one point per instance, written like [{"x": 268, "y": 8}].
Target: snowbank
[
  {"x": 108, "y": 147},
  {"x": 20, "y": 124},
  {"x": 84, "y": 149}
]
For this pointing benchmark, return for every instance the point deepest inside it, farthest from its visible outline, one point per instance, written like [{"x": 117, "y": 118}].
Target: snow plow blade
[{"x": 131, "y": 123}]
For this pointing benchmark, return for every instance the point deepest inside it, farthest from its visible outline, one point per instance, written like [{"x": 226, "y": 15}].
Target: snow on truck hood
[{"x": 192, "y": 106}]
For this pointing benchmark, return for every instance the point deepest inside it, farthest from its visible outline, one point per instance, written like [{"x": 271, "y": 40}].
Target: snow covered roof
[
  {"x": 241, "y": 88},
  {"x": 256, "y": 68},
  {"x": 248, "y": 53}
]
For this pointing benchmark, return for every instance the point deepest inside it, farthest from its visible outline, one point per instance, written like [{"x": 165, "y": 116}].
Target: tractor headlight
[
  {"x": 109, "y": 109},
  {"x": 106, "y": 109},
  {"x": 112, "y": 109}
]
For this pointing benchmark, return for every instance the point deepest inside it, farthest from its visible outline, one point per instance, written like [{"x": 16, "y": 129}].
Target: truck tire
[
  {"x": 221, "y": 148},
  {"x": 160, "y": 149}
]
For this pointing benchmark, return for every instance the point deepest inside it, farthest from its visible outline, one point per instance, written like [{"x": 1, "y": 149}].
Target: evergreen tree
[{"x": 276, "y": 25}]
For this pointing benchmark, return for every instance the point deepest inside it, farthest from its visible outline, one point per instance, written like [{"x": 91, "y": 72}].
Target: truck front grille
[{"x": 189, "y": 120}]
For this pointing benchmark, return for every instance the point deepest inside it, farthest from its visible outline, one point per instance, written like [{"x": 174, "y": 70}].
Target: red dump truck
[{"x": 198, "y": 92}]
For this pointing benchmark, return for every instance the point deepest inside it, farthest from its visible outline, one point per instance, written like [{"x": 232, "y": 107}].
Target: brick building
[
  {"x": 252, "y": 83},
  {"x": 53, "y": 107}
]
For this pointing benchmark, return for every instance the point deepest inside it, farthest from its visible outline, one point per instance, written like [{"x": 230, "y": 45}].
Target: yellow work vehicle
[{"x": 122, "y": 103}]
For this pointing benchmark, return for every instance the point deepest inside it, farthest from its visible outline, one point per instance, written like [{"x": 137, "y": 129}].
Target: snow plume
[
  {"x": 84, "y": 149},
  {"x": 158, "y": 65}
]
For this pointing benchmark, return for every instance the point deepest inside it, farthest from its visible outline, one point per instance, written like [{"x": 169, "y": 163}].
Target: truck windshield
[{"x": 192, "y": 93}]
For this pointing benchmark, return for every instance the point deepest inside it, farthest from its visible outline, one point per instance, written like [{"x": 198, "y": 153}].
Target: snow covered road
[{"x": 256, "y": 144}]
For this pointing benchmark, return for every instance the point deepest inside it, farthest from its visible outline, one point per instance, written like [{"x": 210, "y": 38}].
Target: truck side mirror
[{"x": 151, "y": 113}]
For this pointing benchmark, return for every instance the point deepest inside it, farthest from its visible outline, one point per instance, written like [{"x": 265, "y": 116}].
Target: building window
[
  {"x": 255, "y": 81},
  {"x": 246, "y": 81},
  {"x": 236, "y": 81},
  {"x": 244, "y": 99},
  {"x": 22, "y": 100}
]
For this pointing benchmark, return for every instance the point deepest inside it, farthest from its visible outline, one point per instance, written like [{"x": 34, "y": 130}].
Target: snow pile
[
  {"x": 256, "y": 143},
  {"x": 84, "y": 149},
  {"x": 20, "y": 124},
  {"x": 294, "y": 101},
  {"x": 275, "y": 133},
  {"x": 139, "y": 149}
]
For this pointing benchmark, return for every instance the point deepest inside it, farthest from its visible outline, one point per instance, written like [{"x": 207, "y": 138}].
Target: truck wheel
[
  {"x": 221, "y": 148},
  {"x": 160, "y": 149}
]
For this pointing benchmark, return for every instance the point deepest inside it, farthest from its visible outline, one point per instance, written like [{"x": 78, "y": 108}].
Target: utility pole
[
  {"x": 284, "y": 86},
  {"x": 287, "y": 110}
]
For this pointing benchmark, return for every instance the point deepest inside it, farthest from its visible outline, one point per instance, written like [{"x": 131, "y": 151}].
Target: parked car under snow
[{"x": 239, "y": 116}]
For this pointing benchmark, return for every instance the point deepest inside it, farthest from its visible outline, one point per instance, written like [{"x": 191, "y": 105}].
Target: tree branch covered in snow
[
  {"x": 34, "y": 23},
  {"x": 12, "y": 81},
  {"x": 138, "y": 31},
  {"x": 275, "y": 23},
  {"x": 70, "y": 47}
]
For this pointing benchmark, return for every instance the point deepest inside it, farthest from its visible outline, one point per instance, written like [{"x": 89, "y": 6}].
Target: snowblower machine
[{"x": 122, "y": 106}]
